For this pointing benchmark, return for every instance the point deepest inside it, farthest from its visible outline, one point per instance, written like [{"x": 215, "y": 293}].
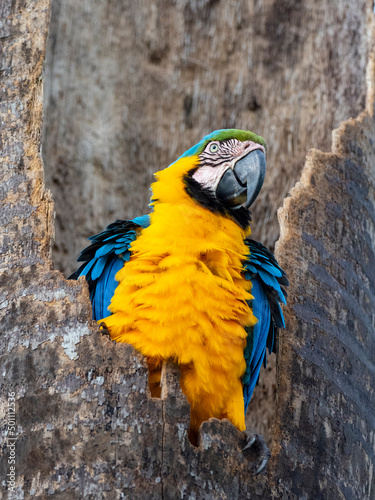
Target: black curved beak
[{"x": 242, "y": 184}]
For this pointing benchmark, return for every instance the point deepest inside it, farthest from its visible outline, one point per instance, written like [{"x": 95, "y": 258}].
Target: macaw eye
[{"x": 214, "y": 147}]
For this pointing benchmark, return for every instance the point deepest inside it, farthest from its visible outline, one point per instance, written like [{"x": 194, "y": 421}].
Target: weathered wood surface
[
  {"x": 325, "y": 424},
  {"x": 86, "y": 426}
]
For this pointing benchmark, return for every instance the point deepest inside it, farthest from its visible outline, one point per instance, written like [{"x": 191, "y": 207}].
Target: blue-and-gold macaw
[{"x": 186, "y": 283}]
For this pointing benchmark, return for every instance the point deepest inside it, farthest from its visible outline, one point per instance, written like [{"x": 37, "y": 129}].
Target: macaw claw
[{"x": 257, "y": 441}]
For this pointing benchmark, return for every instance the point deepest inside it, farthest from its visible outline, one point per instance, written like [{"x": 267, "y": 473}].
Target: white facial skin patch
[{"x": 209, "y": 177}]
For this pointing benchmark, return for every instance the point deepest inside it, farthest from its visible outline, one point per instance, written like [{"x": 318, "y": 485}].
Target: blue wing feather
[
  {"x": 267, "y": 278},
  {"x": 257, "y": 346},
  {"x": 106, "y": 255},
  {"x": 105, "y": 288},
  {"x": 98, "y": 267}
]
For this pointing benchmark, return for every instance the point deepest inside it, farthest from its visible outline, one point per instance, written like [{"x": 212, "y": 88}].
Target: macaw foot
[{"x": 257, "y": 442}]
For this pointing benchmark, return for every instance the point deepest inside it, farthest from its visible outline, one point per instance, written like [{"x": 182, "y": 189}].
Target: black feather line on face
[{"x": 207, "y": 199}]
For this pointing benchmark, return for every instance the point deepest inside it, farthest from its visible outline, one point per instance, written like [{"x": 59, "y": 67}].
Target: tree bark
[
  {"x": 325, "y": 420},
  {"x": 86, "y": 426}
]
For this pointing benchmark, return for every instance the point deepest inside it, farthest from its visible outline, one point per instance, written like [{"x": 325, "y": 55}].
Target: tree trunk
[{"x": 85, "y": 424}]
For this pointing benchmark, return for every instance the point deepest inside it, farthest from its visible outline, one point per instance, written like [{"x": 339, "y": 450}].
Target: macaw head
[{"x": 224, "y": 172}]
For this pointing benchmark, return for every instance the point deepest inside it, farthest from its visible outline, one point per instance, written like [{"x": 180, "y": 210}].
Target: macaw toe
[{"x": 257, "y": 442}]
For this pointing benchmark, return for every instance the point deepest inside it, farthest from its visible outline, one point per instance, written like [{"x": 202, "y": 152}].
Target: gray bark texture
[{"x": 86, "y": 426}]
